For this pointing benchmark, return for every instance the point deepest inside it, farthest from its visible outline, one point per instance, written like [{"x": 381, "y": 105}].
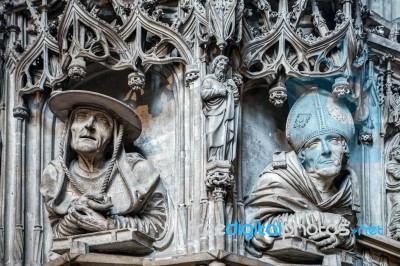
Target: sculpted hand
[
  {"x": 99, "y": 202},
  {"x": 262, "y": 242},
  {"x": 232, "y": 85},
  {"x": 329, "y": 239},
  {"x": 89, "y": 219},
  {"x": 68, "y": 226}
]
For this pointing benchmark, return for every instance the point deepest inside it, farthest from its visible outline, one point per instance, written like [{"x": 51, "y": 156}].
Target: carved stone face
[
  {"x": 220, "y": 69},
  {"x": 322, "y": 156},
  {"x": 91, "y": 130}
]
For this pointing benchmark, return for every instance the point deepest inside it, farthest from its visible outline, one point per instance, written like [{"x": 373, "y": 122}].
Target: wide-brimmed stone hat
[{"x": 63, "y": 102}]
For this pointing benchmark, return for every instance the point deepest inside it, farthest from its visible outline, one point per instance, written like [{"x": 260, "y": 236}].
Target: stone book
[{"x": 123, "y": 241}]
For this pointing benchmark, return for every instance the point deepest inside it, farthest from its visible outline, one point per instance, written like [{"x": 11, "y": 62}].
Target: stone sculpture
[
  {"x": 220, "y": 98},
  {"x": 95, "y": 185},
  {"x": 312, "y": 184},
  {"x": 393, "y": 167},
  {"x": 393, "y": 187}
]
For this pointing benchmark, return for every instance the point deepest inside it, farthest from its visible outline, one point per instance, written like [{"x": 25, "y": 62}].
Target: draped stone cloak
[
  {"x": 221, "y": 123},
  {"x": 290, "y": 190}
]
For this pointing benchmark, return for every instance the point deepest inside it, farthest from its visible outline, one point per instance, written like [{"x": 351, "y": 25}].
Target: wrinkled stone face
[
  {"x": 323, "y": 155},
  {"x": 91, "y": 130}
]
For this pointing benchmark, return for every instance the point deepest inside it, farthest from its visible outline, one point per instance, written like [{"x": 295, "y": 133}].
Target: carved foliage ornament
[{"x": 287, "y": 40}]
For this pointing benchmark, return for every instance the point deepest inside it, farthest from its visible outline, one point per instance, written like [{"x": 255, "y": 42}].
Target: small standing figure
[
  {"x": 220, "y": 98},
  {"x": 393, "y": 186}
]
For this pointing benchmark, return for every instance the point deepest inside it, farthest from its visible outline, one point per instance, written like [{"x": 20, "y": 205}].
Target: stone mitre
[{"x": 315, "y": 113}]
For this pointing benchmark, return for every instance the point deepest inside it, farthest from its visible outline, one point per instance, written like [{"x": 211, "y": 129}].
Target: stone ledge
[
  {"x": 296, "y": 249},
  {"x": 125, "y": 241},
  {"x": 202, "y": 258},
  {"x": 381, "y": 244},
  {"x": 383, "y": 44}
]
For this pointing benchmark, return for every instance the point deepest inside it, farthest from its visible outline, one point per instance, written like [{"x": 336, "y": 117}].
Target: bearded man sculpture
[
  {"x": 95, "y": 185},
  {"x": 220, "y": 98},
  {"x": 312, "y": 184}
]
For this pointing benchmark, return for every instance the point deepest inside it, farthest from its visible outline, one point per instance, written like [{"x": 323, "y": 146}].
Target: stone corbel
[
  {"x": 278, "y": 93},
  {"x": 21, "y": 113},
  {"x": 77, "y": 68},
  {"x": 136, "y": 80},
  {"x": 341, "y": 88},
  {"x": 192, "y": 74},
  {"x": 219, "y": 182}
]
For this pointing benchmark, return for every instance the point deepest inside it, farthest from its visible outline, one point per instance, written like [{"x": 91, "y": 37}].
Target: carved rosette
[{"x": 136, "y": 80}]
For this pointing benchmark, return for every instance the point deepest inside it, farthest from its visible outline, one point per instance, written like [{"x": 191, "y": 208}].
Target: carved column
[
  {"x": 220, "y": 181},
  {"x": 14, "y": 234},
  {"x": 17, "y": 246},
  {"x": 2, "y": 169},
  {"x": 33, "y": 162}
]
